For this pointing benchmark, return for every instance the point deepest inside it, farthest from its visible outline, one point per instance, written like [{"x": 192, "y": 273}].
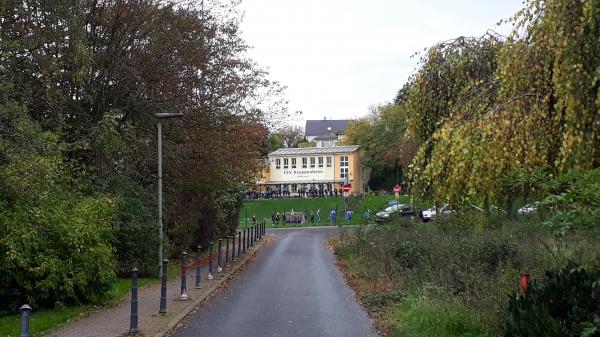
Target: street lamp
[{"x": 160, "y": 116}]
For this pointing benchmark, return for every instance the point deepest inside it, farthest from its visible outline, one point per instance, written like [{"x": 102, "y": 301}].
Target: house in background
[
  {"x": 319, "y": 168},
  {"x": 325, "y": 132}
]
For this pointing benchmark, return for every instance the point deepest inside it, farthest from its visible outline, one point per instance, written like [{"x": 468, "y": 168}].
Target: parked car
[
  {"x": 395, "y": 210},
  {"x": 529, "y": 208},
  {"x": 498, "y": 210},
  {"x": 393, "y": 202},
  {"x": 431, "y": 213}
]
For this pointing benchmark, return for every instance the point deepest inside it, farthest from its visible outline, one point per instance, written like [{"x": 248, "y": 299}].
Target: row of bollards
[{"x": 245, "y": 239}]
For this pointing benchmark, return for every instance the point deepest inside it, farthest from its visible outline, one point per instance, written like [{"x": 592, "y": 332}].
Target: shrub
[
  {"x": 56, "y": 253},
  {"x": 564, "y": 304},
  {"x": 409, "y": 253},
  {"x": 494, "y": 251}
]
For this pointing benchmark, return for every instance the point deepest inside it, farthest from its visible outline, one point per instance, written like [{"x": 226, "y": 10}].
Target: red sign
[
  {"x": 397, "y": 189},
  {"x": 346, "y": 188}
]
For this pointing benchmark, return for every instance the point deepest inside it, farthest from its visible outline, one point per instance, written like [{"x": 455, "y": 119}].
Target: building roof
[
  {"x": 300, "y": 151},
  {"x": 318, "y": 127}
]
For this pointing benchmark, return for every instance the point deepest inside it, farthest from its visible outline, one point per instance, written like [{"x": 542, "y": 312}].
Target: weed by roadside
[{"x": 450, "y": 278}]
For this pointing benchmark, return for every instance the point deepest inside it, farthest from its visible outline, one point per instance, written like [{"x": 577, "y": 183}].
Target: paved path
[
  {"x": 114, "y": 321},
  {"x": 293, "y": 289}
]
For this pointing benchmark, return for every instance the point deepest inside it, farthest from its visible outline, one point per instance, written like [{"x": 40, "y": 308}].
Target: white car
[
  {"x": 431, "y": 213},
  {"x": 529, "y": 208}
]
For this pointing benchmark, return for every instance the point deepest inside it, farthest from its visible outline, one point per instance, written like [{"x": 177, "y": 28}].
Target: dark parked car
[{"x": 395, "y": 210}]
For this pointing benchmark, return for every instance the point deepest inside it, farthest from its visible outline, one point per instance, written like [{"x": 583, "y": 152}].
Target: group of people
[
  {"x": 308, "y": 216},
  {"x": 268, "y": 194},
  {"x": 303, "y": 192}
]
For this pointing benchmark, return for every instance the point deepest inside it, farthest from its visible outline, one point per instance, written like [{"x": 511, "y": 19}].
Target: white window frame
[
  {"x": 304, "y": 162},
  {"x": 343, "y": 172},
  {"x": 328, "y": 161},
  {"x": 344, "y": 161},
  {"x": 343, "y": 167},
  {"x": 293, "y": 163},
  {"x": 320, "y": 162},
  {"x": 312, "y": 162},
  {"x": 277, "y": 163},
  {"x": 286, "y": 163}
]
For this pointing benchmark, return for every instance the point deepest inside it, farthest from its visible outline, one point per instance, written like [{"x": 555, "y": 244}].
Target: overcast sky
[{"x": 338, "y": 57}]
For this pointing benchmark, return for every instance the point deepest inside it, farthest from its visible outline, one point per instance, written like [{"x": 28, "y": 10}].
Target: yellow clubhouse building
[{"x": 294, "y": 170}]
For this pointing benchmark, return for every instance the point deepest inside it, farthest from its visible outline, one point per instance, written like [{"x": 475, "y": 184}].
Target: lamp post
[{"x": 159, "y": 118}]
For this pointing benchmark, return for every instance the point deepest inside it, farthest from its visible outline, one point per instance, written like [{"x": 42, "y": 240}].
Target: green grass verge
[
  {"x": 427, "y": 318},
  {"x": 264, "y": 207},
  {"x": 41, "y": 321}
]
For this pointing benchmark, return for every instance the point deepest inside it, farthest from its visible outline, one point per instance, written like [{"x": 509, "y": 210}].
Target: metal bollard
[
  {"x": 183, "y": 295},
  {"x": 244, "y": 241},
  {"x": 227, "y": 251},
  {"x": 219, "y": 260},
  {"x": 198, "y": 284},
  {"x": 163, "y": 289},
  {"x": 247, "y": 238},
  {"x": 252, "y": 238},
  {"x": 210, "y": 259},
  {"x": 133, "y": 321},
  {"x": 233, "y": 259},
  {"x": 25, "y": 310},
  {"x": 239, "y": 243}
]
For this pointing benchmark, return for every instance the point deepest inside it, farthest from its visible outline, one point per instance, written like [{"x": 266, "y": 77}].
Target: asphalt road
[{"x": 294, "y": 289}]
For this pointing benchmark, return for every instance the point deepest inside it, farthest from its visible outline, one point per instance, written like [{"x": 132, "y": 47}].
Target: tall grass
[{"x": 455, "y": 274}]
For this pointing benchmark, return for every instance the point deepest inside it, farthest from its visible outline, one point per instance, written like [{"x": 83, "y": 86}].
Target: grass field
[{"x": 264, "y": 207}]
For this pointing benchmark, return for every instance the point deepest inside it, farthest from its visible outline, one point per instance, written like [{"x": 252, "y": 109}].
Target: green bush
[
  {"x": 56, "y": 253},
  {"x": 574, "y": 203},
  {"x": 494, "y": 251},
  {"x": 565, "y": 304},
  {"x": 54, "y": 241},
  {"x": 409, "y": 253}
]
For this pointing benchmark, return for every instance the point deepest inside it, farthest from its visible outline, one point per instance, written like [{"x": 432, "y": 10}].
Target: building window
[
  {"x": 343, "y": 172},
  {"x": 328, "y": 161},
  {"x": 312, "y": 162},
  {"x": 293, "y": 162},
  {"x": 278, "y": 163},
  {"x": 304, "y": 162},
  {"x": 344, "y": 167},
  {"x": 344, "y": 161},
  {"x": 320, "y": 162},
  {"x": 286, "y": 163}
]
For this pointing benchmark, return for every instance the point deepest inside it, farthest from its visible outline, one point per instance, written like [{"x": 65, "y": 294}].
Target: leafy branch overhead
[{"x": 480, "y": 109}]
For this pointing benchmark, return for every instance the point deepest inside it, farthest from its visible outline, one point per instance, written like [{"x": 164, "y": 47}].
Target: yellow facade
[
  {"x": 355, "y": 171},
  {"x": 286, "y": 169}
]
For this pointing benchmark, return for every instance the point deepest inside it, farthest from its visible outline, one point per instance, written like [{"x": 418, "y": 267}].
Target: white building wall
[{"x": 299, "y": 173}]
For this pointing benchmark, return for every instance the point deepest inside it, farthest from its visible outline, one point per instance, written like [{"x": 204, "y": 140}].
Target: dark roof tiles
[{"x": 318, "y": 127}]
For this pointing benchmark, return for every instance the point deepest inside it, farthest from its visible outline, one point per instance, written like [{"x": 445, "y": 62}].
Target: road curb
[{"x": 183, "y": 314}]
